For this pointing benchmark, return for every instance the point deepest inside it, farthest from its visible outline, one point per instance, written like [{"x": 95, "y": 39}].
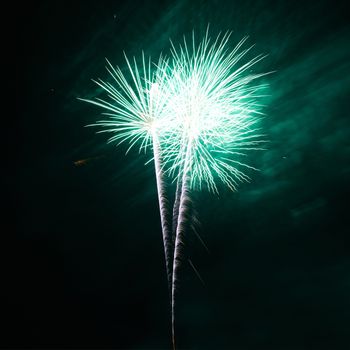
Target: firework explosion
[{"x": 198, "y": 111}]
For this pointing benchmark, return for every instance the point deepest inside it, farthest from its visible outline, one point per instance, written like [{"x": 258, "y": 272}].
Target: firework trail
[
  {"x": 184, "y": 203},
  {"x": 176, "y": 208},
  {"x": 164, "y": 213}
]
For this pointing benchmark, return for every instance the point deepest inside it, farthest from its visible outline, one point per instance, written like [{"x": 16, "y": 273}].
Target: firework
[
  {"x": 215, "y": 101},
  {"x": 134, "y": 114},
  {"x": 199, "y": 113}
]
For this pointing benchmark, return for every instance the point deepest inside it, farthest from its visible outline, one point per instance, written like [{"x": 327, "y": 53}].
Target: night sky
[{"x": 84, "y": 266}]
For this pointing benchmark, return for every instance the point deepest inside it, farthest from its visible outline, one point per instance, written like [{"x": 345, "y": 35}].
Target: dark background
[{"x": 84, "y": 266}]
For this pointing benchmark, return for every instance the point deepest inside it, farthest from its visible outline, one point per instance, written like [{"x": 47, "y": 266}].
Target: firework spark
[{"x": 216, "y": 105}]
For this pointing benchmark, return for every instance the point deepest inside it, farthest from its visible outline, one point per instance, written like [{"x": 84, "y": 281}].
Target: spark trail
[{"x": 184, "y": 203}]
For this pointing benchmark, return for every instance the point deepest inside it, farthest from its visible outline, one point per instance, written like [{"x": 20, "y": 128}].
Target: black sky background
[{"x": 84, "y": 264}]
